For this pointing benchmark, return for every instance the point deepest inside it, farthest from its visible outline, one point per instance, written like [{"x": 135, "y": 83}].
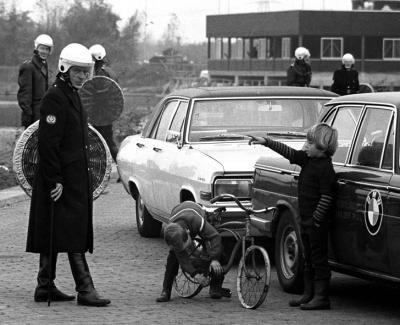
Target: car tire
[
  {"x": 289, "y": 254},
  {"x": 146, "y": 224}
]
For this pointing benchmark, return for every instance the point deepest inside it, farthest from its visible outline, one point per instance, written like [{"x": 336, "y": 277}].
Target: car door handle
[
  {"x": 140, "y": 145},
  {"x": 157, "y": 149}
]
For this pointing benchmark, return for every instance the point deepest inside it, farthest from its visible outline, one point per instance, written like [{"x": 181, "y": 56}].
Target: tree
[
  {"x": 129, "y": 40},
  {"x": 17, "y": 35},
  {"x": 91, "y": 21},
  {"x": 171, "y": 37}
]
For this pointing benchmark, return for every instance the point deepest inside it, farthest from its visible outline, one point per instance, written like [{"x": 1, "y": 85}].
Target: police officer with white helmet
[
  {"x": 33, "y": 80},
  {"x": 345, "y": 79},
  {"x": 299, "y": 73},
  {"x": 62, "y": 190}
]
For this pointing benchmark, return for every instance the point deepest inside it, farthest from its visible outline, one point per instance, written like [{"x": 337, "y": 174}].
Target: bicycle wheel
[
  {"x": 185, "y": 285},
  {"x": 253, "y": 277}
]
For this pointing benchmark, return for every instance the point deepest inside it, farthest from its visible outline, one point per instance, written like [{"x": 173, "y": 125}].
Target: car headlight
[{"x": 241, "y": 188}]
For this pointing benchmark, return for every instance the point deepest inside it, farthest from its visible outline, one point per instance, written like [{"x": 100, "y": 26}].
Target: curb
[
  {"x": 12, "y": 195},
  {"x": 16, "y": 194}
]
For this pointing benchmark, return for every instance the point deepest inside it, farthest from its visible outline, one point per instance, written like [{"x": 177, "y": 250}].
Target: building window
[
  {"x": 247, "y": 48},
  {"x": 285, "y": 47},
  {"x": 331, "y": 47},
  {"x": 391, "y": 48},
  {"x": 260, "y": 44},
  {"x": 236, "y": 48},
  {"x": 215, "y": 51},
  {"x": 225, "y": 48}
]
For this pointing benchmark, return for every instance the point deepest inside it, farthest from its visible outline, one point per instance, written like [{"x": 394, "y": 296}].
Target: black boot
[
  {"x": 87, "y": 294},
  {"x": 164, "y": 296},
  {"x": 321, "y": 297},
  {"x": 308, "y": 291},
  {"x": 46, "y": 283}
]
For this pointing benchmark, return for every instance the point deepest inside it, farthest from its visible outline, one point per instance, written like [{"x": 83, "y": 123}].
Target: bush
[{"x": 130, "y": 122}]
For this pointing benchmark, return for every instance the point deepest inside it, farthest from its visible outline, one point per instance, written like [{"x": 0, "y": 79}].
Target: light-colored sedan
[{"x": 194, "y": 146}]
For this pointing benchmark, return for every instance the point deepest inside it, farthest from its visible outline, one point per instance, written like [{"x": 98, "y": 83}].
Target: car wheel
[
  {"x": 288, "y": 255},
  {"x": 146, "y": 224}
]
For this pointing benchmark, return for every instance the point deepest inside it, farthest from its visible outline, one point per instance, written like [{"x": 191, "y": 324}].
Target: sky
[{"x": 192, "y": 13}]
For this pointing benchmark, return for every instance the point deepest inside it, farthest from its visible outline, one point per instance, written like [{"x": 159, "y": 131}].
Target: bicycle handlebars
[{"x": 239, "y": 204}]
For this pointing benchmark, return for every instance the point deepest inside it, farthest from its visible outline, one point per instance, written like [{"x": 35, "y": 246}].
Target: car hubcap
[{"x": 289, "y": 252}]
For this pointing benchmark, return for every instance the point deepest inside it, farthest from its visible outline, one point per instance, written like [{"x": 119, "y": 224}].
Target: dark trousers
[
  {"x": 172, "y": 268},
  {"x": 315, "y": 247},
  {"x": 106, "y": 132}
]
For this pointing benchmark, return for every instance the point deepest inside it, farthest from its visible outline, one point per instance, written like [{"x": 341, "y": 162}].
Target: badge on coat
[
  {"x": 373, "y": 213},
  {"x": 51, "y": 119}
]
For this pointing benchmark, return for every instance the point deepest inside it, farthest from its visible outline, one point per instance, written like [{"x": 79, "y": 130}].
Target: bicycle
[{"x": 254, "y": 270}]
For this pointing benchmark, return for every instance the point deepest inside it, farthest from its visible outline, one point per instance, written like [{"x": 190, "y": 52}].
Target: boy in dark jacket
[
  {"x": 316, "y": 192},
  {"x": 187, "y": 222}
]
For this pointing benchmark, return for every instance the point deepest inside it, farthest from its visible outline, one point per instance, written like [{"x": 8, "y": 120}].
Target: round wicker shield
[
  {"x": 26, "y": 158},
  {"x": 103, "y": 100}
]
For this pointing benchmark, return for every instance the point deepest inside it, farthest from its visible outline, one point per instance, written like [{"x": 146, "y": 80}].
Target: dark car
[{"x": 365, "y": 228}]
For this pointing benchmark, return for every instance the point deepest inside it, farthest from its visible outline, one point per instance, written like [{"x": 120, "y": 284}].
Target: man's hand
[
  {"x": 56, "y": 192},
  {"x": 216, "y": 268},
  {"x": 256, "y": 140},
  {"x": 201, "y": 279}
]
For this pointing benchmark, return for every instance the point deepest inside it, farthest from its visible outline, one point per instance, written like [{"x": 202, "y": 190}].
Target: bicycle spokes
[{"x": 253, "y": 277}]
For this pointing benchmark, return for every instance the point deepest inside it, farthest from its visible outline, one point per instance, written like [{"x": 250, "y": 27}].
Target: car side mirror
[{"x": 179, "y": 141}]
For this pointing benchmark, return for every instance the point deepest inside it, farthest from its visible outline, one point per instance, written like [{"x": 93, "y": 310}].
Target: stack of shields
[{"x": 26, "y": 158}]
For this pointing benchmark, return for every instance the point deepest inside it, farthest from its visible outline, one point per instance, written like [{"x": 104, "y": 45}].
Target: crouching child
[{"x": 188, "y": 221}]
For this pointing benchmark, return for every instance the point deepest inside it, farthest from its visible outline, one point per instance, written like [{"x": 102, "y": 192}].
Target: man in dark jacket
[
  {"x": 345, "y": 79},
  {"x": 33, "y": 80},
  {"x": 62, "y": 191},
  {"x": 299, "y": 73},
  {"x": 100, "y": 69},
  {"x": 187, "y": 222}
]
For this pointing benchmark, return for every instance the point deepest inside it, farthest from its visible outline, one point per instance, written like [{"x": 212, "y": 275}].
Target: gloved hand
[
  {"x": 216, "y": 269},
  {"x": 256, "y": 140},
  {"x": 202, "y": 280}
]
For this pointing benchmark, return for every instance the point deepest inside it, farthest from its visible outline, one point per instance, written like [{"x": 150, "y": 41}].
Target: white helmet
[
  {"x": 44, "y": 39},
  {"x": 308, "y": 54},
  {"x": 348, "y": 58},
  {"x": 74, "y": 54},
  {"x": 301, "y": 53},
  {"x": 98, "y": 51}
]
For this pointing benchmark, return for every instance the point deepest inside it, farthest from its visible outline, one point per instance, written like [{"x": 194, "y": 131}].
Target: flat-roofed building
[{"x": 257, "y": 48}]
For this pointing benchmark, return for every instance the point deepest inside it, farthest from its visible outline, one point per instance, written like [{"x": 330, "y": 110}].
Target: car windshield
[{"x": 232, "y": 119}]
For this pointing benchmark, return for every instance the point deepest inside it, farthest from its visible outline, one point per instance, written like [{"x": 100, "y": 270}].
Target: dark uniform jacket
[
  {"x": 299, "y": 74},
  {"x": 63, "y": 144},
  {"x": 345, "y": 81},
  {"x": 33, "y": 84},
  {"x": 106, "y": 72},
  {"x": 191, "y": 217}
]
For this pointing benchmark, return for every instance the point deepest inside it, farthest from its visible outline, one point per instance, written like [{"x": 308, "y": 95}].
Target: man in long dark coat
[
  {"x": 62, "y": 189},
  {"x": 345, "y": 79},
  {"x": 33, "y": 80}
]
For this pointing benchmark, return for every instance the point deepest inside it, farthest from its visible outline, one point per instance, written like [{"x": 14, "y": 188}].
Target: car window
[
  {"x": 164, "y": 120},
  {"x": 371, "y": 137},
  {"x": 256, "y": 115},
  {"x": 345, "y": 121},
  {"x": 177, "y": 122},
  {"x": 388, "y": 154}
]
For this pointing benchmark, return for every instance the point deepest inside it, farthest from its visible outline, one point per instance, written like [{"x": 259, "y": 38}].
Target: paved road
[{"x": 128, "y": 269}]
